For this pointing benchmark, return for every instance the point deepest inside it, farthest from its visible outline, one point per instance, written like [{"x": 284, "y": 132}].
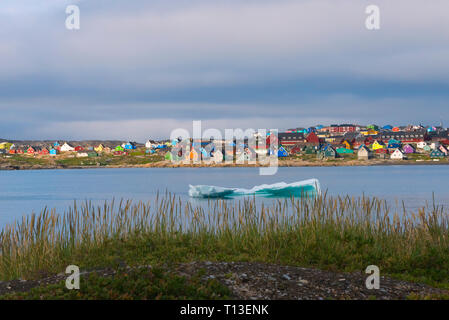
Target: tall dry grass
[{"x": 330, "y": 232}]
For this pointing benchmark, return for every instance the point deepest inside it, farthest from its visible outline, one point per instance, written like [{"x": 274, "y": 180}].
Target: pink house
[{"x": 408, "y": 149}]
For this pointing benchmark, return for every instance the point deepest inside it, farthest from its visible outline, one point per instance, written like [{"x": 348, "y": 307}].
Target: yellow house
[
  {"x": 347, "y": 145},
  {"x": 370, "y": 132},
  {"x": 378, "y": 145},
  {"x": 99, "y": 149},
  {"x": 5, "y": 145}
]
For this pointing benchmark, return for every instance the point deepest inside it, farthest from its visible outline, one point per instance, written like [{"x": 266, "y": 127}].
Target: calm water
[{"x": 23, "y": 192}]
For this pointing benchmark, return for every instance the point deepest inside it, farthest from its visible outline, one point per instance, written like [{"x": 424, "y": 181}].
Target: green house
[
  {"x": 311, "y": 150},
  {"x": 169, "y": 156},
  {"x": 437, "y": 154},
  {"x": 119, "y": 148},
  {"x": 327, "y": 152},
  {"x": 345, "y": 151},
  {"x": 92, "y": 154}
]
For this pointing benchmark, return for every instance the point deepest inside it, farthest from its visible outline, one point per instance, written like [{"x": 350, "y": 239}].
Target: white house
[
  {"x": 67, "y": 148},
  {"x": 421, "y": 144},
  {"x": 364, "y": 153},
  {"x": 435, "y": 145},
  {"x": 148, "y": 144},
  {"x": 218, "y": 156},
  {"x": 82, "y": 154},
  {"x": 444, "y": 150},
  {"x": 398, "y": 155}
]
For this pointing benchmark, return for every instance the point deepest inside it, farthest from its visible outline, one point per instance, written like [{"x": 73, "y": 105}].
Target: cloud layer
[{"x": 144, "y": 68}]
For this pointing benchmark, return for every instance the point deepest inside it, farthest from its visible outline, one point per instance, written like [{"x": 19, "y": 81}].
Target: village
[{"x": 318, "y": 144}]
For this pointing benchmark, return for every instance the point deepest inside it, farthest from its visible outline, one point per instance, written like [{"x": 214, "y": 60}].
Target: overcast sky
[{"x": 138, "y": 69}]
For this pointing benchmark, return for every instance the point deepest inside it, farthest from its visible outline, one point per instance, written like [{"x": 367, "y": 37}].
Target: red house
[
  {"x": 382, "y": 151},
  {"x": 342, "y": 128},
  {"x": 79, "y": 148},
  {"x": 272, "y": 139},
  {"x": 290, "y": 138},
  {"x": 44, "y": 151},
  {"x": 31, "y": 150},
  {"x": 15, "y": 151},
  {"x": 313, "y": 138}
]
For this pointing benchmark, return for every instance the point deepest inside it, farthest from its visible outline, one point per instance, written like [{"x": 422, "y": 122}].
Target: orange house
[{"x": 193, "y": 155}]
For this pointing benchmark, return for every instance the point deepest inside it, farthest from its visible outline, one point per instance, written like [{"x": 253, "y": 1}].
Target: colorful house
[
  {"x": 327, "y": 152},
  {"x": 408, "y": 149},
  {"x": 282, "y": 153},
  {"x": 364, "y": 153},
  {"x": 79, "y": 148},
  {"x": 53, "y": 152},
  {"x": 347, "y": 144},
  {"x": 312, "y": 138},
  {"x": 217, "y": 156},
  {"x": 310, "y": 149},
  {"x": 6, "y": 145},
  {"x": 67, "y": 148},
  {"x": 378, "y": 145},
  {"x": 345, "y": 151},
  {"x": 16, "y": 151},
  {"x": 394, "y": 144},
  {"x": 444, "y": 150},
  {"x": 421, "y": 144},
  {"x": 398, "y": 155},
  {"x": 99, "y": 148},
  {"x": 82, "y": 154},
  {"x": 437, "y": 154},
  {"x": 130, "y": 146},
  {"x": 44, "y": 151},
  {"x": 244, "y": 157},
  {"x": 30, "y": 150},
  {"x": 119, "y": 148},
  {"x": 193, "y": 155}
]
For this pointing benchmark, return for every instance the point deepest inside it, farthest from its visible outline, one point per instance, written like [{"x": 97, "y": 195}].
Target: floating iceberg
[{"x": 306, "y": 188}]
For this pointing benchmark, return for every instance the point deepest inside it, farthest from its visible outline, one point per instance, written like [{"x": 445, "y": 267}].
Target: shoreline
[{"x": 282, "y": 163}]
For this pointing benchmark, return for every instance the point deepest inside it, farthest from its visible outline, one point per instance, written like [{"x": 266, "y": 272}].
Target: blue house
[
  {"x": 130, "y": 146},
  {"x": 388, "y": 127},
  {"x": 53, "y": 152},
  {"x": 282, "y": 152},
  {"x": 394, "y": 144},
  {"x": 436, "y": 154}
]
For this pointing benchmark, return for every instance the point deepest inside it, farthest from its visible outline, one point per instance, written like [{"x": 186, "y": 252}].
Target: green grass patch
[{"x": 127, "y": 284}]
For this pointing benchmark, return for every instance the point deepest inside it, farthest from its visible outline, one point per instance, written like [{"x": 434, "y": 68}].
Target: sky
[{"x": 140, "y": 69}]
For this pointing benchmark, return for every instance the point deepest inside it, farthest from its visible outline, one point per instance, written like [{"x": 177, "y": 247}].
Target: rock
[{"x": 286, "y": 277}]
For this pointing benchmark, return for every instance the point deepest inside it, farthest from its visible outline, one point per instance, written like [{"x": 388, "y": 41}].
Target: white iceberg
[{"x": 306, "y": 188}]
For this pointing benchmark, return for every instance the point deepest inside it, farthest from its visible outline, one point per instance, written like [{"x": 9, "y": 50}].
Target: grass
[
  {"x": 135, "y": 284},
  {"x": 135, "y": 158},
  {"x": 332, "y": 233}
]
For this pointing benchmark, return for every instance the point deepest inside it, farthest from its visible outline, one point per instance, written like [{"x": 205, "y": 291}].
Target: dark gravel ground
[{"x": 258, "y": 281}]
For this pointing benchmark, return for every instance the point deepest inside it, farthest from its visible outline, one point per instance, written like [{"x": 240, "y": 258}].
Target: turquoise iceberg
[{"x": 306, "y": 188}]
